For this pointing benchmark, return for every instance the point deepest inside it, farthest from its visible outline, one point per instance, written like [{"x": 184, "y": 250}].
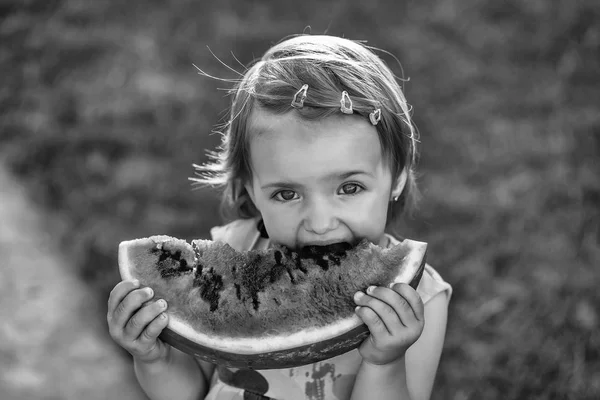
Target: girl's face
[{"x": 318, "y": 182}]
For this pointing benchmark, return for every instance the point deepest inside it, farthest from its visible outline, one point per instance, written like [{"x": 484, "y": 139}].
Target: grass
[{"x": 103, "y": 115}]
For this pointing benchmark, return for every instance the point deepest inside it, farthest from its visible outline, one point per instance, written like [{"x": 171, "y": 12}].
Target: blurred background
[{"x": 102, "y": 115}]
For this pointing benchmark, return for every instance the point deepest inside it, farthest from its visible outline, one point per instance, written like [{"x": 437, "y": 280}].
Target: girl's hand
[
  {"x": 395, "y": 318},
  {"x": 135, "y": 322}
]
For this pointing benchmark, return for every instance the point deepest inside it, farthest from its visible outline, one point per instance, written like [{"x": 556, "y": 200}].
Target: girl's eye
[
  {"x": 351, "y": 188},
  {"x": 285, "y": 195}
]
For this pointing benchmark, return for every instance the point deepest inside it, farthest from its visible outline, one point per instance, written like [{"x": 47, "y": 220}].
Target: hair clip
[
  {"x": 375, "y": 116},
  {"x": 346, "y": 104},
  {"x": 299, "y": 97}
]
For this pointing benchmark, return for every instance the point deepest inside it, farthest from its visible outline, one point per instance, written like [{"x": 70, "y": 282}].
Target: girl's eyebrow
[{"x": 335, "y": 175}]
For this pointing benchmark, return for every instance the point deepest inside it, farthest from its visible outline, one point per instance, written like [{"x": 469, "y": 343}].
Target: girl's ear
[{"x": 398, "y": 186}]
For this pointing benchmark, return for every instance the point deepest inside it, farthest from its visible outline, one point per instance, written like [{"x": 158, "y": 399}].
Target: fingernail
[
  {"x": 163, "y": 316},
  {"x": 162, "y": 303},
  {"x": 136, "y": 283},
  {"x": 149, "y": 291},
  {"x": 370, "y": 289},
  {"x": 358, "y": 295},
  {"x": 356, "y": 309},
  {"x": 391, "y": 285}
]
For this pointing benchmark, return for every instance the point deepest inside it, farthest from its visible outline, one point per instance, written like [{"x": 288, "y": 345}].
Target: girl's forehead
[
  {"x": 269, "y": 126},
  {"x": 287, "y": 144}
]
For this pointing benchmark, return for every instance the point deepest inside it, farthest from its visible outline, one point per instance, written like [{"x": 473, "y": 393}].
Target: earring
[
  {"x": 299, "y": 97},
  {"x": 395, "y": 198},
  {"x": 346, "y": 104}
]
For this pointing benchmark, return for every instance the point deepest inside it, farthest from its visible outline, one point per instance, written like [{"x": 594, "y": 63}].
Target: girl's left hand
[{"x": 395, "y": 318}]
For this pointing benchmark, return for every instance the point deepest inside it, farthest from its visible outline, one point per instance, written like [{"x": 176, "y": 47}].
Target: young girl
[{"x": 320, "y": 148}]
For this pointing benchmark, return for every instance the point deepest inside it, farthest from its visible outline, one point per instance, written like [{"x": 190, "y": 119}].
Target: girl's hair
[{"x": 328, "y": 65}]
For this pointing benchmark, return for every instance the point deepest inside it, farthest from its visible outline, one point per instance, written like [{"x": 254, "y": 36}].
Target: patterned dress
[{"x": 331, "y": 379}]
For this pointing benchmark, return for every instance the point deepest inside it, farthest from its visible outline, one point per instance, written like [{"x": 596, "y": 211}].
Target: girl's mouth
[
  {"x": 325, "y": 242},
  {"x": 317, "y": 250}
]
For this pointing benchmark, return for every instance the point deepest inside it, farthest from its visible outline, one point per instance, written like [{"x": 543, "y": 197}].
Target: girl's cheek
[{"x": 282, "y": 228}]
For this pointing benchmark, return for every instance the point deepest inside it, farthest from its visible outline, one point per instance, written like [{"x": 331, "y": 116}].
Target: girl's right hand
[{"x": 135, "y": 322}]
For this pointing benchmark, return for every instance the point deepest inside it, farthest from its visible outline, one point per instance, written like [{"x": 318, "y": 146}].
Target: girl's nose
[{"x": 320, "y": 218}]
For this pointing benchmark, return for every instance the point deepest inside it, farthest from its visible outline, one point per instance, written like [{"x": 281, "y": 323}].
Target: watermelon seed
[
  {"x": 255, "y": 302},
  {"x": 167, "y": 267},
  {"x": 275, "y": 273},
  {"x": 163, "y": 256},
  {"x": 299, "y": 263},
  {"x": 278, "y": 257},
  {"x": 291, "y": 275},
  {"x": 253, "y": 281},
  {"x": 210, "y": 284}
]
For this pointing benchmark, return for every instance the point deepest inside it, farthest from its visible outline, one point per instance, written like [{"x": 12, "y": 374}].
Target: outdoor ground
[
  {"x": 103, "y": 114},
  {"x": 52, "y": 343}
]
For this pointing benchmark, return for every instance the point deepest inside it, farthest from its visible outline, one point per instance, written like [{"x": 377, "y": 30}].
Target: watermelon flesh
[{"x": 274, "y": 308}]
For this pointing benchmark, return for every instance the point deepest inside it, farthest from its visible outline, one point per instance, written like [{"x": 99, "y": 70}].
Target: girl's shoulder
[
  {"x": 241, "y": 234},
  {"x": 245, "y": 234}
]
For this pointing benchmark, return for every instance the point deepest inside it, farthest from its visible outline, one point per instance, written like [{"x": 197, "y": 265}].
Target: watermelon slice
[{"x": 266, "y": 309}]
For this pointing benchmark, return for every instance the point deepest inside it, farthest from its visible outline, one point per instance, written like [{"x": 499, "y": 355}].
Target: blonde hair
[{"x": 328, "y": 65}]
